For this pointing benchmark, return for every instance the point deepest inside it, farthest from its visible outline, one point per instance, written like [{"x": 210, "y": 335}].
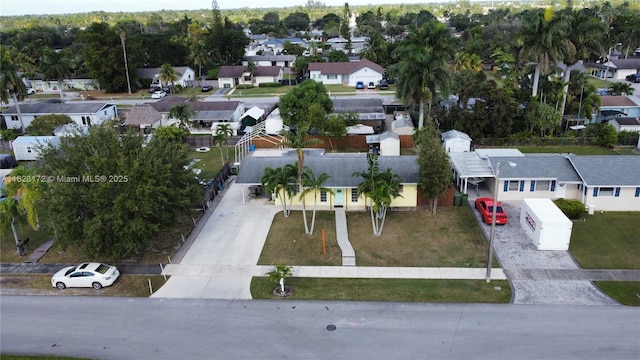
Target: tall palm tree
[
  {"x": 219, "y": 140},
  {"x": 56, "y": 66},
  {"x": 21, "y": 203},
  {"x": 168, "y": 75},
  {"x": 299, "y": 141},
  {"x": 198, "y": 55},
  {"x": 381, "y": 187},
  {"x": 586, "y": 36},
  {"x": 182, "y": 112},
  {"x": 619, "y": 88},
  {"x": 314, "y": 185},
  {"x": 422, "y": 67},
  {"x": 11, "y": 85},
  {"x": 543, "y": 40},
  {"x": 281, "y": 182},
  {"x": 123, "y": 41},
  {"x": 251, "y": 68},
  {"x": 224, "y": 131}
]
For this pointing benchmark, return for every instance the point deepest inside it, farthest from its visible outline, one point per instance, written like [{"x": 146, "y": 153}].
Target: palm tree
[
  {"x": 182, "y": 112},
  {"x": 219, "y": 140},
  {"x": 619, "y": 88},
  {"x": 543, "y": 40},
  {"x": 422, "y": 68},
  {"x": 465, "y": 61},
  {"x": 11, "y": 84},
  {"x": 312, "y": 184},
  {"x": 21, "y": 203},
  {"x": 299, "y": 141},
  {"x": 251, "y": 67},
  {"x": 56, "y": 66},
  {"x": 198, "y": 55},
  {"x": 123, "y": 40},
  {"x": 168, "y": 75},
  {"x": 380, "y": 188},
  {"x": 224, "y": 131},
  {"x": 587, "y": 36},
  {"x": 281, "y": 182}
]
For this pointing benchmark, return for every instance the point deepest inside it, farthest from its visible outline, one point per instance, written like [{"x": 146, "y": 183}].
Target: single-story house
[
  {"x": 344, "y": 185},
  {"x": 232, "y": 75},
  {"x": 284, "y": 61},
  {"x": 621, "y": 105},
  {"x": 358, "y": 43},
  {"x": 346, "y": 73},
  {"x": 370, "y": 112},
  {"x": 208, "y": 113},
  {"x": 618, "y": 68},
  {"x": 267, "y": 74},
  {"x": 186, "y": 76},
  {"x": 81, "y": 113},
  {"x": 626, "y": 123},
  {"x": 277, "y": 45},
  {"x": 143, "y": 117}
]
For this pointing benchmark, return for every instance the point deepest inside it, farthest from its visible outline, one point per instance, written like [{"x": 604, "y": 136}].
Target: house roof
[
  {"x": 142, "y": 115},
  {"x": 620, "y": 101},
  {"x": 626, "y": 63},
  {"x": 536, "y": 166},
  {"x": 627, "y": 121},
  {"x": 164, "y": 105},
  {"x": 281, "y": 41},
  {"x": 54, "y": 106},
  {"x": 340, "y": 68},
  {"x": 255, "y": 113},
  {"x": 257, "y": 58},
  {"x": 267, "y": 71},
  {"x": 608, "y": 170},
  {"x": 339, "y": 166},
  {"x": 232, "y": 71},
  {"x": 455, "y": 134}
]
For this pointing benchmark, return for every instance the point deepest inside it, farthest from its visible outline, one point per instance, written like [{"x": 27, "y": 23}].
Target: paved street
[{"x": 142, "y": 328}]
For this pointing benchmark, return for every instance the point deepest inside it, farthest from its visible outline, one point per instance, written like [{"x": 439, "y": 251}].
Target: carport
[{"x": 473, "y": 167}]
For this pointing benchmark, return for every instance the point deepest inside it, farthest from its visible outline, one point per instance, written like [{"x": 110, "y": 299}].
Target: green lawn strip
[
  {"x": 578, "y": 150},
  {"x": 126, "y": 285},
  {"x": 625, "y": 292},
  {"x": 287, "y": 243},
  {"x": 210, "y": 162},
  {"x": 599, "y": 83},
  {"x": 606, "y": 240},
  {"x": 401, "y": 290},
  {"x": 451, "y": 238},
  {"x": 261, "y": 91}
]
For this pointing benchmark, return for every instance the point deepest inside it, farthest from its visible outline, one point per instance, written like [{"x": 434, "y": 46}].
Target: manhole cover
[{"x": 331, "y": 327}]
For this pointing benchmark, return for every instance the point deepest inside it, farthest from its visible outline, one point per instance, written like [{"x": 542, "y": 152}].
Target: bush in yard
[
  {"x": 572, "y": 208},
  {"x": 45, "y": 124},
  {"x": 269, "y": 85},
  {"x": 244, "y": 86}
]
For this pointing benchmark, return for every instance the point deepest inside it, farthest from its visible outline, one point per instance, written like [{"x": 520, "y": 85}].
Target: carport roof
[{"x": 470, "y": 165}]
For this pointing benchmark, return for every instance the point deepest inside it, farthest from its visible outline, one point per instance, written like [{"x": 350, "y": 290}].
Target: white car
[
  {"x": 31, "y": 91},
  {"x": 371, "y": 85},
  {"x": 95, "y": 275},
  {"x": 158, "y": 95}
]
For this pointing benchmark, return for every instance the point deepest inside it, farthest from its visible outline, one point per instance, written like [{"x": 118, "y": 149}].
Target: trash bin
[
  {"x": 457, "y": 199},
  {"x": 234, "y": 169},
  {"x": 252, "y": 147},
  {"x": 464, "y": 199}
]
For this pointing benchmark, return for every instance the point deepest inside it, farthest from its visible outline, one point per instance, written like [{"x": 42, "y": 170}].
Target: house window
[
  {"x": 606, "y": 191},
  {"x": 400, "y": 189},
  {"x": 513, "y": 185},
  {"x": 354, "y": 195},
  {"x": 332, "y": 77},
  {"x": 543, "y": 185},
  {"x": 638, "y": 192},
  {"x": 28, "y": 149},
  {"x": 86, "y": 120},
  {"x": 14, "y": 118},
  {"x": 323, "y": 196}
]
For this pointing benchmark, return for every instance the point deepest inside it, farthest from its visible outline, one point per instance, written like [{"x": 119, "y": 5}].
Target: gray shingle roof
[
  {"x": 267, "y": 71},
  {"x": 608, "y": 170},
  {"x": 54, "y": 106},
  {"x": 142, "y": 115},
  {"x": 537, "y": 166},
  {"x": 358, "y": 106},
  {"x": 164, "y": 105},
  {"x": 339, "y": 166},
  {"x": 233, "y": 71}
]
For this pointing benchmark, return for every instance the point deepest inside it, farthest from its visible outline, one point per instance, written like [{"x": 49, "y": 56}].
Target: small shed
[
  {"x": 385, "y": 144},
  {"x": 626, "y": 124},
  {"x": 28, "y": 147},
  {"x": 455, "y": 141},
  {"x": 360, "y": 129}
]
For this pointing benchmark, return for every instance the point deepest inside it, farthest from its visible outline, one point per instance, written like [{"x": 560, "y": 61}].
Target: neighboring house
[
  {"x": 621, "y": 105},
  {"x": 371, "y": 112},
  {"x": 186, "y": 76},
  {"x": 143, "y": 117},
  {"x": 277, "y": 45},
  {"x": 208, "y": 113},
  {"x": 231, "y": 76},
  {"x": 346, "y": 73},
  {"x": 285, "y": 61},
  {"x": 267, "y": 74},
  {"x": 27, "y": 148},
  {"x": 618, "y": 68},
  {"x": 81, "y": 113},
  {"x": 340, "y": 168},
  {"x": 455, "y": 141},
  {"x": 626, "y": 124},
  {"x": 358, "y": 43}
]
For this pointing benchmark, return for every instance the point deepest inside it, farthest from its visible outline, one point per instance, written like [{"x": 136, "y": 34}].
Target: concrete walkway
[{"x": 342, "y": 235}]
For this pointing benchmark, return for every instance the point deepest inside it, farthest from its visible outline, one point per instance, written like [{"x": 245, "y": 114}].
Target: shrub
[
  {"x": 269, "y": 84},
  {"x": 572, "y": 208},
  {"x": 244, "y": 86}
]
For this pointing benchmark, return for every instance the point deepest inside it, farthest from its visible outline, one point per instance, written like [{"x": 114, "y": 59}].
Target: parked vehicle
[
  {"x": 485, "y": 207},
  {"x": 167, "y": 88},
  {"x": 154, "y": 88},
  {"x": 359, "y": 85},
  {"x": 207, "y": 88},
  {"x": 31, "y": 91},
  {"x": 635, "y": 78},
  {"x": 383, "y": 85},
  {"x": 158, "y": 94},
  {"x": 371, "y": 85},
  {"x": 95, "y": 275}
]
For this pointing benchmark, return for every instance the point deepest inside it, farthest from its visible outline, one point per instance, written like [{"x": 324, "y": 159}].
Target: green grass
[
  {"x": 599, "y": 83},
  {"x": 451, "y": 238},
  {"x": 287, "y": 243},
  {"x": 402, "y": 290},
  {"x": 627, "y": 292},
  {"x": 578, "y": 150},
  {"x": 210, "y": 162},
  {"x": 607, "y": 240},
  {"x": 264, "y": 91}
]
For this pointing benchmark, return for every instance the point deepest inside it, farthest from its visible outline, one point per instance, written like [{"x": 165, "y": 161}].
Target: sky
[{"x": 43, "y": 7}]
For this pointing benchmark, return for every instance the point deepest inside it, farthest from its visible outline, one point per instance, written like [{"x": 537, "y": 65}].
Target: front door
[{"x": 338, "y": 198}]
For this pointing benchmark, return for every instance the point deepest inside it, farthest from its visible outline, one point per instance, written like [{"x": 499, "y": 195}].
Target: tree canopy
[{"x": 295, "y": 105}]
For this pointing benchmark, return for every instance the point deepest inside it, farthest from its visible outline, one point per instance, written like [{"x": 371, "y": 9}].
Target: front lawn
[
  {"x": 261, "y": 91},
  {"x": 403, "y": 290},
  {"x": 606, "y": 240},
  {"x": 625, "y": 292}
]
